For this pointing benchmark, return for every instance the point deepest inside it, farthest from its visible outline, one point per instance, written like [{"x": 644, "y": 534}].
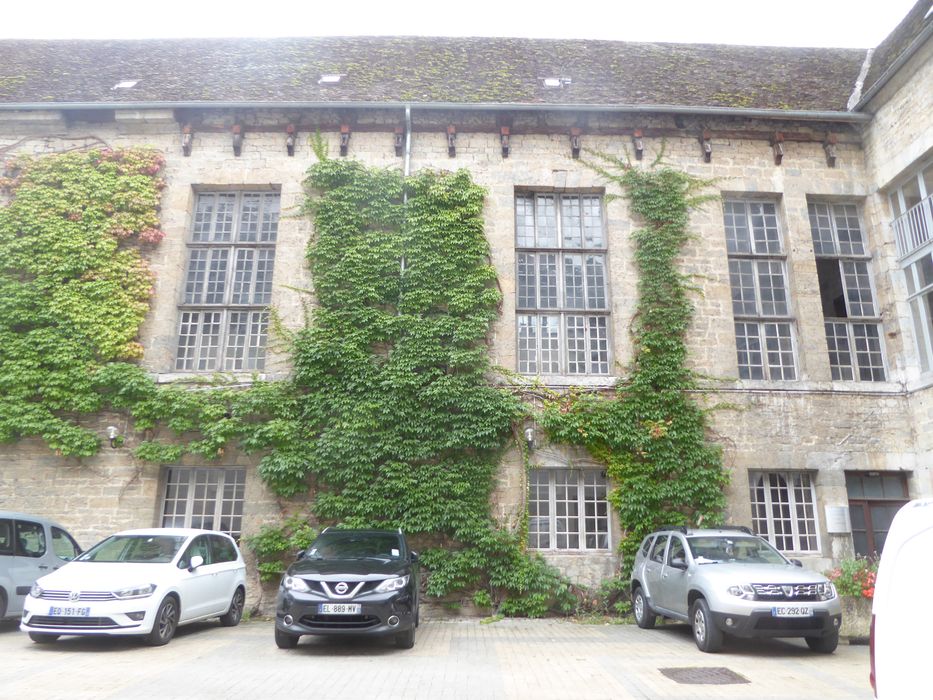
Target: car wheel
[
  {"x": 824, "y": 645},
  {"x": 166, "y": 622},
  {"x": 406, "y": 639},
  {"x": 40, "y": 638},
  {"x": 644, "y": 615},
  {"x": 418, "y": 616},
  {"x": 232, "y": 617},
  {"x": 284, "y": 640},
  {"x": 2, "y": 604},
  {"x": 705, "y": 633}
]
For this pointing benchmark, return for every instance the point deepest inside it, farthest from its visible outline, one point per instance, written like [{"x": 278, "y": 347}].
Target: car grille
[
  {"x": 354, "y": 588},
  {"x": 796, "y": 591},
  {"x": 82, "y": 595},
  {"x": 100, "y": 623},
  {"x": 339, "y": 622}
]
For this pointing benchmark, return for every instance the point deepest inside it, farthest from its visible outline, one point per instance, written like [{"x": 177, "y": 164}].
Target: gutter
[
  {"x": 797, "y": 115},
  {"x": 905, "y": 56}
]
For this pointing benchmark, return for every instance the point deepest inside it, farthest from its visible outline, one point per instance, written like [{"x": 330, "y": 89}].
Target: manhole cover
[{"x": 698, "y": 675}]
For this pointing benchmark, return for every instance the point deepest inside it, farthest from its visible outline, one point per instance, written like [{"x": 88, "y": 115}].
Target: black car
[{"x": 362, "y": 582}]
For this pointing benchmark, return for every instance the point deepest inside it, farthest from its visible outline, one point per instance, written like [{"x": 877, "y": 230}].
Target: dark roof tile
[{"x": 426, "y": 70}]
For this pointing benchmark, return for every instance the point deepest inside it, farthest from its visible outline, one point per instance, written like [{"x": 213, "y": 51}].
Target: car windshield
[
  {"x": 338, "y": 545},
  {"x": 734, "y": 550},
  {"x": 136, "y": 549}
]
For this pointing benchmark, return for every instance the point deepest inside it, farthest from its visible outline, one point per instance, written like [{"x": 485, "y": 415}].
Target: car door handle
[{"x": 43, "y": 566}]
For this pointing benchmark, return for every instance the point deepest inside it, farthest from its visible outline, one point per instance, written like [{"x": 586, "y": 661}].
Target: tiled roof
[
  {"x": 427, "y": 70},
  {"x": 900, "y": 39}
]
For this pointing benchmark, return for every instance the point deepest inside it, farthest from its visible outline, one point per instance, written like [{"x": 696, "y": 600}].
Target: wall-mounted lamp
[
  {"x": 575, "y": 142},
  {"x": 530, "y": 437},
  {"x": 187, "y": 139},
  {"x": 344, "y": 139},
  {"x": 113, "y": 434}
]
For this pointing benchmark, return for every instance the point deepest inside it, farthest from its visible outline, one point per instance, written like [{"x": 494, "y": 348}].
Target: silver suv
[{"x": 730, "y": 581}]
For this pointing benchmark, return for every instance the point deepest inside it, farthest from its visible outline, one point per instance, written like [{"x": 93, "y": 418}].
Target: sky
[{"x": 826, "y": 23}]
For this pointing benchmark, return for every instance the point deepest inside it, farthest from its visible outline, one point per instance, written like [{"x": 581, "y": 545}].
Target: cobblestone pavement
[{"x": 458, "y": 659}]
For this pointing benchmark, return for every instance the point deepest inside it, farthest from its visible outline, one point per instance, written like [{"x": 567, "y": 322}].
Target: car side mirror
[
  {"x": 196, "y": 561},
  {"x": 300, "y": 554},
  {"x": 414, "y": 557},
  {"x": 679, "y": 563},
  {"x": 796, "y": 562}
]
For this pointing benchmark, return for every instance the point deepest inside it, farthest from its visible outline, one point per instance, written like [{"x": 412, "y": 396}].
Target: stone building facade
[{"x": 813, "y": 321}]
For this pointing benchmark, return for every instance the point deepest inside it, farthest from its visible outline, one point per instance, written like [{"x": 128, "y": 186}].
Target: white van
[
  {"x": 30, "y": 546},
  {"x": 901, "y": 612}
]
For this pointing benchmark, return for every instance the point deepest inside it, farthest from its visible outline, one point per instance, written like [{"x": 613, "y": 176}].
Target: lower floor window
[
  {"x": 855, "y": 351},
  {"x": 207, "y": 498},
  {"x": 228, "y": 340},
  {"x": 765, "y": 350},
  {"x": 784, "y": 510},
  {"x": 563, "y": 344},
  {"x": 567, "y": 509}
]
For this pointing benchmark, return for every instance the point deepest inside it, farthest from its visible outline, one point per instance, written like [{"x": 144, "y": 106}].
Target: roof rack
[
  {"x": 677, "y": 528},
  {"x": 740, "y": 528}
]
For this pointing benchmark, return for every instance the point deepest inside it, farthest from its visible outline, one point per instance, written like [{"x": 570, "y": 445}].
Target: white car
[
  {"x": 140, "y": 582},
  {"x": 901, "y": 615}
]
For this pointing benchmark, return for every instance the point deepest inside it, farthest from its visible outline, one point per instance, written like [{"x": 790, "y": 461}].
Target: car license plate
[
  {"x": 792, "y": 611},
  {"x": 340, "y": 608},
  {"x": 69, "y": 612}
]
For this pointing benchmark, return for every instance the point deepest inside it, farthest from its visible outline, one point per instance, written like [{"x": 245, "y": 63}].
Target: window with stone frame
[
  {"x": 850, "y": 314},
  {"x": 567, "y": 509},
  {"x": 223, "y": 315},
  {"x": 784, "y": 510},
  {"x": 562, "y": 303},
  {"x": 764, "y": 327},
  {"x": 204, "y": 497}
]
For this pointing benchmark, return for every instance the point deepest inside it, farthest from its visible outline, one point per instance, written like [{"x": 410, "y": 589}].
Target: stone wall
[{"x": 812, "y": 423}]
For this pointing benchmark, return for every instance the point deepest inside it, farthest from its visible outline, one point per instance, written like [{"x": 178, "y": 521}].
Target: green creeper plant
[
  {"x": 650, "y": 432},
  {"x": 74, "y": 286}
]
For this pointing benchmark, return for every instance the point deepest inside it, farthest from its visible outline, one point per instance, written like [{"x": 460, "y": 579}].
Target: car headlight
[
  {"x": 293, "y": 583},
  {"x": 36, "y": 591},
  {"x": 392, "y": 584},
  {"x": 743, "y": 590},
  {"x": 826, "y": 591},
  {"x": 136, "y": 591}
]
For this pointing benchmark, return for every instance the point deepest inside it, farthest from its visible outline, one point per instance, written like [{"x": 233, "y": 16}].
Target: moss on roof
[{"x": 428, "y": 70}]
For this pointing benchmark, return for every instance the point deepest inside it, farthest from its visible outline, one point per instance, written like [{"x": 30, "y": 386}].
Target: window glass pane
[
  {"x": 527, "y": 281},
  {"x": 924, "y": 268},
  {"x": 550, "y": 344},
  {"x": 771, "y": 285},
  {"x": 216, "y": 276},
  {"x": 243, "y": 276},
  {"x": 598, "y": 329},
  {"x": 593, "y": 222},
  {"x": 573, "y": 282},
  {"x": 30, "y": 539},
  {"x": 821, "y": 229},
  {"x": 765, "y": 234},
  {"x": 780, "y": 351},
  {"x": 744, "y": 294},
  {"x": 524, "y": 221},
  {"x": 528, "y": 344},
  {"x": 546, "y": 219},
  {"x": 840, "y": 352},
  {"x": 6, "y": 536},
  {"x": 576, "y": 345},
  {"x": 197, "y": 271},
  {"x": 748, "y": 347},
  {"x": 571, "y": 221},
  {"x": 911, "y": 191},
  {"x": 848, "y": 229},
  {"x": 867, "y": 339},
  {"x": 858, "y": 288},
  {"x": 225, "y": 215},
  {"x": 269, "y": 230},
  {"x": 595, "y": 282},
  {"x": 547, "y": 281},
  {"x": 737, "y": 238},
  {"x": 249, "y": 218}
]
